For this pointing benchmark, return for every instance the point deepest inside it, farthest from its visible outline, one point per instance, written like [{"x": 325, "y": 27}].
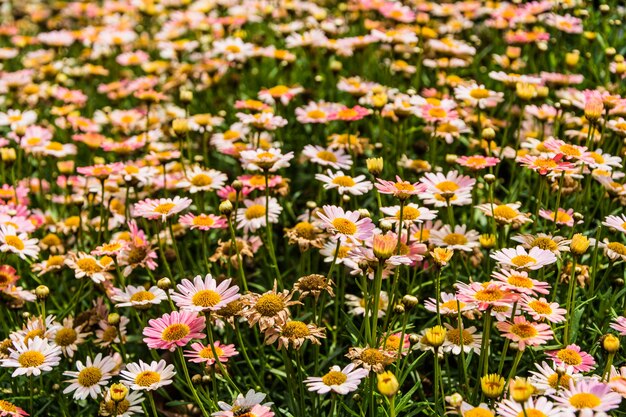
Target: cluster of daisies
[{"x": 366, "y": 208}]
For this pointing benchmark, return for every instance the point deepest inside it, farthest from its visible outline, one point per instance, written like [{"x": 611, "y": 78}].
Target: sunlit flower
[
  {"x": 173, "y": 330},
  {"x": 341, "y": 381}
]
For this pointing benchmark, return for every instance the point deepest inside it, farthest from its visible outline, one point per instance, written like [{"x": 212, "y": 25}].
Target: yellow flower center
[
  {"x": 455, "y": 239},
  {"x": 233, "y": 49},
  {"x": 478, "y": 412},
  {"x": 454, "y": 336},
  {"x": 147, "y": 378},
  {"x": 316, "y": 114},
  {"x": 545, "y": 163},
  {"x": 305, "y": 230},
  {"x": 344, "y": 181},
  {"x": 54, "y": 146},
  {"x": 164, "y": 208},
  {"x": 563, "y": 381},
  {"x": 408, "y": 213},
  {"x": 569, "y": 150},
  {"x": 203, "y": 221},
  {"x": 175, "y": 332},
  {"x": 65, "y": 337},
  {"x": 231, "y": 135},
  {"x": 437, "y": 112},
  {"x": 505, "y": 212},
  {"x": 584, "y": 400},
  {"x": 563, "y": 217},
  {"x": 207, "y": 352},
  {"x": 489, "y": 294},
  {"x": 452, "y": 305},
  {"x": 479, "y": 93},
  {"x": 327, "y": 156},
  {"x": 334, "y": 378},
  {"x": 269, "y": 305},
  {"x": 569, "y": 357},
  {"x": 89, "y": 376},
  {"x": 520, "y": 281},
  {"x": 545, "y": 243},
  {"x": 140, "y": 296},
  {"x": 7, "y": 406},
  {"x": 347, "y": 113},
  {"x": 255, "y": 211},
  {"x": 532, "y": 412},
  {"x": 73, "y": 221},
  {"x": 599, "y": 159},
  {"x": 392, "y": 342},
  {"x": 33, "y": 334},
  {"x": 523, "y": 260},
  {"x": 201, "y": 180},
  {"x": 371, "y": 356},
  {"x": 88, "y": 265},
  {"x": 447, "y": 186},
  {"x": 278, "y": 91},
  {"x": 206, "y": 298},
  {"x": 31, "y": 359},
  {"x": 406, "y": 187},
  {"x": 120, "y": 407},
  {"x": 617, "y": 248},
  {"x": 540, "y": 307},
  {"x": 524, "y": 331},
  {"x": 14, "y": 241},
  {"x": 296, "y": 330},
  {"x": 344, "y": 226}
]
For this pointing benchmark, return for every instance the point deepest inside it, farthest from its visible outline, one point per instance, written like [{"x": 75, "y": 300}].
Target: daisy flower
[
  {"x": 460, "y": 239},
  {"x": 548, "y": 381},
  {"x": 400, "y": 189},
  {"x": 341, "y": 381},
  {"x": 448, "y": 305},
  {"x": 614, "y": 250},
  {"x": 198, "y": 179},
  {"x": 316, "y": 113},
  {"x": 573, "y": 356},
  {"x": 519, "y": 258},
  {"x": 270, "y": 160},
  {"x": 294, "y": 333},
  {"x": 410, "y": 213},
  {"x": 162, "y": 208},
  {"x": 268, "y": 309},
  {"x": 148, "y": 377},
  {"x": 451, "y": 188},
  {"x": 138, "y": 297},
  {"x": 35, "y": 356},
  {"x": 204, "y": 294},
  {"x": 544, "y": 164},
  {"x": 477, "y": 162},
  {"x": 88, "y": 380},
  {"x": 253, "y": 216},
  {"x": 524, "y": 332},
  {"x": 370, "y": 358},
  {"x": 357, "y": 304},
  {"x": 250, "y": 404},
  {"x": 520, "y": 282},
  {"x": 334, "y": 158},
  {"x": 555, "y": 244},
  {"x": 540, "y": 407},
  {"x": 484, "y": 294},
  {"x": 280, "y": 93},
  {"x": 346, "y": 225},
  {"x": 344, "y": 183},
  {"x": 262, "y": 121},
  {"x": 563, "y": 217},
  {"x": 541, "y": 309},
  {"x": 15, "y": 242},
  {"x": 67, "y": 336},
  {"x": 616, "y": 222},
  {"x": 204, "y": 354},
  {"x": 173, "y": 330},
  {"x": 569, "y": 151},
  {"x": 477, "y": 95},
  {"x": 452, "y": 343},
  {"x": 203, "y": 221},
  {"x": 482, "y": 410},
  {"x": 505, "y": 213},
  {"x": 588, "y": 398},
  {"x": 87, "y": 266},
  {"x": 349, "y": 114}
]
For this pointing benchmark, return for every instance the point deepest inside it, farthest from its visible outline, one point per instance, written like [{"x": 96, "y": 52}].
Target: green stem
[{"x": 189, "y": 383}]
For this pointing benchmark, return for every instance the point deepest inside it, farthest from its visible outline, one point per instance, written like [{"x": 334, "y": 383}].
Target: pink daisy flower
[
  {"x": 162, "y": 208},
  {"x": 616, "y": 222},
  {"x": 543, "y": 164},
  {"x": 400, "y": 188},
  {"x": 518, "y": 258},
  {"x": 346, "y": 224},
  {"x": 204, "y": 354},
  {"x": 334, "y": 158},
  {"x": 173, "y": 330},
  {"x": 570, "y": 152},
  {"x": 484, "y": 294},
  {"x": 520, "y": 282},
  {"x": 563, "y": 217},
  {"x": 541, "y": 309},
  {"x": 349, "y": 114},
  {"x": 204, "y": 294},
  {"x": 524, "y": 332},
  {"x": 588, "y": 397},
  {"x": 477, "y": 162},
  {"x": 571, "y": 355},
  {"x": 203, "y": 221},
  {"x": 451, "y": 187}
]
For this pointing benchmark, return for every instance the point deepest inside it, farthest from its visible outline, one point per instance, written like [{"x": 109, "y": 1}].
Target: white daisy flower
[
  {"x": 148, "y": 377},
  {"x": 32, "y": 358},
  {"x": 89, "y": 379},
  {"x": 341, "y": 381}
]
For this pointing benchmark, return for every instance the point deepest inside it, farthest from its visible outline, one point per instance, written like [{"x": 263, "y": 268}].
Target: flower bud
[
  {"x": 237, "y": 185},
  {"x": 164, "y": 284},
  {"x": 42, "y": 292},
  {"x": 118, "y": 392},
  {"x": 611, "y": 343},
  {"x": 579, "y": 245},
  {"x": 385, "y": 225},
  {"x": 435, "y": 336},
  {"x": 488, "y": 133},
  {"x": 455, "y": 400},
  {"x": 186, "y": 96},
  {"x": 384, "y": 246},
  {"x": 180, "y": 126},
  {"x": 375, "y": 166},
  {"x": 409, "y": 301},
  {"x": 572, "y": 58},
  {"x": 492, "y": 385},
  {"x": 521, "y": 390},
  {"x": 226, "y": 207},
  {"x": 490, "y": 178},
  {"x": 487, "y": 241},
  {"x": 113, "y": 319},
  {"x": 442, "y": 256},
  {"x": 388, "y": 384}
]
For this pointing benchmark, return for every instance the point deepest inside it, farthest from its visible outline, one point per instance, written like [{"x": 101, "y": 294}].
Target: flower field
[{"x": 257, "y": 208}]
